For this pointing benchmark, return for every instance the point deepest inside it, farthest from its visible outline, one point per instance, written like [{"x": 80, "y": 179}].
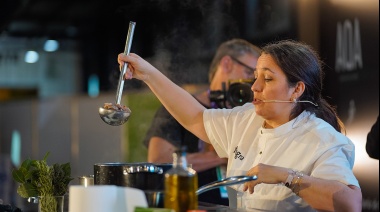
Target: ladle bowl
[{"x": 114, "y": 117}]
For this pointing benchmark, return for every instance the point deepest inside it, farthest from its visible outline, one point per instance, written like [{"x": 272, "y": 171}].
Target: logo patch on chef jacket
[{"x": 238, "y": 154}]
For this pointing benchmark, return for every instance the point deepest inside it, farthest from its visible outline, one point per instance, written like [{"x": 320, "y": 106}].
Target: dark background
[{"x": 188, "y": 30}]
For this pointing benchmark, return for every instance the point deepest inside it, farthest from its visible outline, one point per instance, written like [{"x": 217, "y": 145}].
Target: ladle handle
[
  {"x": 225, "y": 182},
  {"x": 127, "y": 49}
]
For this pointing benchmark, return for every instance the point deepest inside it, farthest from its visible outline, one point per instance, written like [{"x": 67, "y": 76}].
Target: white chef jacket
[{"x": 306, "y": 144}]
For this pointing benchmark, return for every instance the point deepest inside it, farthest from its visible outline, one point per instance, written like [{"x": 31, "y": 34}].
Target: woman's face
[{"x": 271, "y": 84}]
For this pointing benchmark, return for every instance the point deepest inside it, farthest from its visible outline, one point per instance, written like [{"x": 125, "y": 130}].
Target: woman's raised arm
[{"x": 180, "y": 104}]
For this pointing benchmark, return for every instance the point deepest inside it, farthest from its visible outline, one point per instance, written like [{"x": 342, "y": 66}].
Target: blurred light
[
  {"x": 16, "y": 148},
  {"x": 93, "y": 85},
  {"x": 31, "y": 56},
  {"x": 357, "y": 4},
  {"x": 51, "y": 45}
]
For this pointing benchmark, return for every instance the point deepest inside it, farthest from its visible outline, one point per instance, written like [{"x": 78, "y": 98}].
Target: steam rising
[{"x": 184, "y": 34}]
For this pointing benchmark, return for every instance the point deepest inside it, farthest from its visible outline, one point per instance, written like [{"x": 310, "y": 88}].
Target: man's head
[{"x": 234, "y": 59}]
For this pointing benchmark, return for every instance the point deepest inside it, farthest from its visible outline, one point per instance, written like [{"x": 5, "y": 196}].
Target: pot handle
[
  {"x": 225, "y": 182},
  {"x": 143, "y": 168}
]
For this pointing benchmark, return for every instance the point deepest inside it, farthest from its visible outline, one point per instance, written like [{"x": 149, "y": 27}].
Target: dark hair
[
  {"x": 236, "y": 48},
  {"x": 300, "y": 62}
]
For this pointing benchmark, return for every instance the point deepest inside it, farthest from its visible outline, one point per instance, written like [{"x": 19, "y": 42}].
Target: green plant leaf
[
  {"x": 22, "y": 191},
  {"x": 66, "y": 168},
  {"x": 61, "y": 178},
  {"x": 26, "y": 190},
  {"x": 46, "y": 156},
  {"x": 28, "y": 175},
  {"x": 18, "y": 176},
  {"x": 34, "y": 163},
  {"x": 26, "y": 164}
]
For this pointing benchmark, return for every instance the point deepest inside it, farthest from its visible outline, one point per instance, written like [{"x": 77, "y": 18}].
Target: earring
[{"x": 294, "y": 100}]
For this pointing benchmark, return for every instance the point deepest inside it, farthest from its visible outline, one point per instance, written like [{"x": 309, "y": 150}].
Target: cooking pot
[{"x": 144, "y": 176}]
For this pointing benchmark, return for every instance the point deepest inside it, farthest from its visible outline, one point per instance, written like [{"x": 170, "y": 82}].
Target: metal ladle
[{"x": 118, "y": 117}]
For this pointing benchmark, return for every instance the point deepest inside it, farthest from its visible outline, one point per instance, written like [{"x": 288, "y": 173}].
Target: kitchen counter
[{"x": 209, "y": 207}]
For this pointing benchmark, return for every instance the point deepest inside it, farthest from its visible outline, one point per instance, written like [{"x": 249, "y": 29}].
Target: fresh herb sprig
[{"x": 37, "y": 178}]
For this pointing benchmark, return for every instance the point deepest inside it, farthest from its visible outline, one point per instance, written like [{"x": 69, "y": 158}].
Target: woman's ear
[{"x": 299, "y": 89}]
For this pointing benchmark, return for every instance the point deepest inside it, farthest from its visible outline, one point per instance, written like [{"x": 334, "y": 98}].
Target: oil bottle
[{"x": 181, "y": 184}]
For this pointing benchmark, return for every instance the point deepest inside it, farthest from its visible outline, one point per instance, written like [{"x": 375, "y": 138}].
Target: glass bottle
[{"x": 181, "y": 184}]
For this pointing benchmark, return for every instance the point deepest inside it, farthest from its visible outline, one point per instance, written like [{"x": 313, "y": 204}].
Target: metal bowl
[{"x": 114, "y": 117}]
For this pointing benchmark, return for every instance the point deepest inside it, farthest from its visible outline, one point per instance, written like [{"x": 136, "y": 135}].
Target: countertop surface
[{"x": 209, "y": 207}]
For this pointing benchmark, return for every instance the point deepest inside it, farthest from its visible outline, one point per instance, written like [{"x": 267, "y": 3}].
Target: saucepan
[{"x": 148, "y": 177}]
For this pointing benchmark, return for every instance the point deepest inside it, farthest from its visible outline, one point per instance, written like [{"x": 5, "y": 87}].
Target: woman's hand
[
  {"x": 265, "y": 174},
  {"x": 137, "y": 67},
  {"x": 320, "y": 194}
]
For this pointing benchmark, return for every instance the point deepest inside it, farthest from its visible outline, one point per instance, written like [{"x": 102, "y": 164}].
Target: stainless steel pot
[{"x": 86, "y": 180}]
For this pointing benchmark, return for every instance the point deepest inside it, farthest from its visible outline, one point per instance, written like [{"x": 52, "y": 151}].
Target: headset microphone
[{"x": 294, "y": 101}]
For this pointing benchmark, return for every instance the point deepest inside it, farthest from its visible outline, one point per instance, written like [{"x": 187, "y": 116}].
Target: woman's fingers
[
  {"x": 249, "y": 186},
  {"x": 120, "y": 60},
  {"x": 123, "y": 60},
  {"x": 245, "y": 187},
  {"x": 129, "y": 72}
]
